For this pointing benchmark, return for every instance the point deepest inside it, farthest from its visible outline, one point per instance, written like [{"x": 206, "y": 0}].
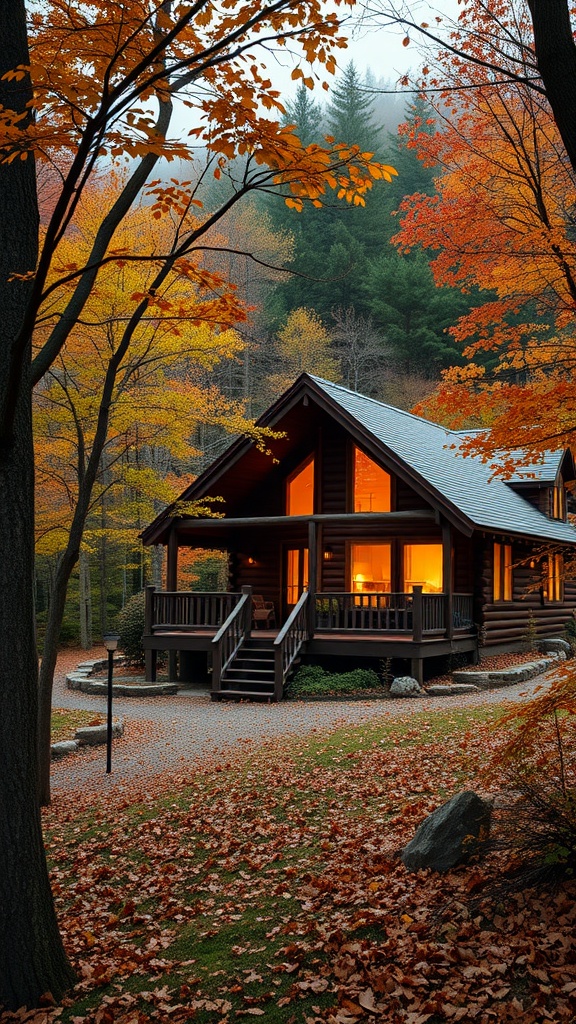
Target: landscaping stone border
[
  {"x": 88, "y": 736},
  {"x": 507, "y": 676},
  {"x": 81, "y": 679}
]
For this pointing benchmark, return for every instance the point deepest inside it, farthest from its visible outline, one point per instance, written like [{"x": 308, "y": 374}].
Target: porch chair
[{"x": 263, "y": 613}]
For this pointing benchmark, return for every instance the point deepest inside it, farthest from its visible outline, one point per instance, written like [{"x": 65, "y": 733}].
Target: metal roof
[{"x": 432, "y": 452}]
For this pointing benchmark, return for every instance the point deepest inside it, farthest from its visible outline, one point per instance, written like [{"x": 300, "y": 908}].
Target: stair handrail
[
  {"x": 230, "y": 637},
  {"x": 289, "y": 641}
]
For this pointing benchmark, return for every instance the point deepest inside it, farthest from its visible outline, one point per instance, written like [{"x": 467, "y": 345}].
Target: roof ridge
[{"x": 383, "y": 405}]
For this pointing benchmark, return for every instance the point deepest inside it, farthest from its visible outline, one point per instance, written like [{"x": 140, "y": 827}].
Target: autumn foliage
[
  {"x": 270, "y": 886},
  {"x": 501, "y": 223}
]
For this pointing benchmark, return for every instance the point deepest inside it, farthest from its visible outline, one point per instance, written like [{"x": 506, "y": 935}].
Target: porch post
[
  {"x": 417, "y": 669},
  {"x": 172, "y": 567},
  {"x": 172, "y": 584},
  {"x": 149, "y": 655},
  {"x": 447, "y": 577},
  {"x": 312, "y": 575},
  {"x": 417, "y": 623}
]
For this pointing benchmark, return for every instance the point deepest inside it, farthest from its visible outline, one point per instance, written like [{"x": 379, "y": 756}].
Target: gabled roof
[
  {"x": 423, "y": 452},
  {"x": 544, "y": 471},
  {"x": 432, "y": 452}
]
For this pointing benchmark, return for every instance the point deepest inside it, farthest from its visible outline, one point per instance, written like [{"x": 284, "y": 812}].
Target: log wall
[{"x": 507, "y": 622}]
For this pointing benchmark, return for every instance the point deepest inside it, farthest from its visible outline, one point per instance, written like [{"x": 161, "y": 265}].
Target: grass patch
[
  {"x": 346, "y": 745},
  {"x": 65, "y": 723}
]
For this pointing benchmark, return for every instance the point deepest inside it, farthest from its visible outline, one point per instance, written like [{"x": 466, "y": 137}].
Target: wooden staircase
[
  {"x": 250, "y": 674},
  {"x": 246, "y": 667}
]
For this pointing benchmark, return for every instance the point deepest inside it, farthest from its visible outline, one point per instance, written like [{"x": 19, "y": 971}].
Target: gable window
[
  {"x": 423, "y": 568},
  {"x": 371, "y": 484},
  {"x": 558, "y": 502},
  {"x": 300, "y": 490},
  {"x": 554, "y": 587},
  {"x": 503, "y": 580}
]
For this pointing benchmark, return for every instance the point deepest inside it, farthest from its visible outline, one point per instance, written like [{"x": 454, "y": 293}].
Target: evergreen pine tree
[
  {"x": 350, "y": 114},
  {"x": 305, "y": 114}
]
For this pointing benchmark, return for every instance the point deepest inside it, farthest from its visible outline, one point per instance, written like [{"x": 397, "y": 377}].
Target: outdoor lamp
[{"x": 111, "y": 641}]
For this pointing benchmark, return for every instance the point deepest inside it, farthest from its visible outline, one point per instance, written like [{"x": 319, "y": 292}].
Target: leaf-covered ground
[{"x": 269, "y": 885}]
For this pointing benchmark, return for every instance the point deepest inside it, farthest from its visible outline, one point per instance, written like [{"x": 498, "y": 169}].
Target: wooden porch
[{"x": 254, "y": 664}]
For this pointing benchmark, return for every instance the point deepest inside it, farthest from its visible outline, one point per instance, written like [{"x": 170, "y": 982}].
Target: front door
[{"x": 295, "y": 575}]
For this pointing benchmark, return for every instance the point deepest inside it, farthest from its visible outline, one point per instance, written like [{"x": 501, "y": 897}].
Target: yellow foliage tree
[{"x": 303, "y": 345}]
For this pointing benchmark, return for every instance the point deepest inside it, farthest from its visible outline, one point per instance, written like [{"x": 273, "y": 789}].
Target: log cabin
[{"x": 362, "y": 533}]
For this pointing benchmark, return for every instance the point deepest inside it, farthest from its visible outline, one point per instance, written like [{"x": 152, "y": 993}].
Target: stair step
[
  {"x": 251, "y": 665},
  {"x": 245, "y": 684},
  {"x": 242, "y": 694},
  {"x": 236, "y": 669}
]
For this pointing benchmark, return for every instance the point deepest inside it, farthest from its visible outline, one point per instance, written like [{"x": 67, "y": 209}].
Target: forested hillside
[{"x": 322, "y": 288}]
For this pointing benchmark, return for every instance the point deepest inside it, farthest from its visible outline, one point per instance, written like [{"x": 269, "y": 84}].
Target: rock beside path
[
  {"x": 450, "y": 835},
  {"x": 405, "y": 686}
]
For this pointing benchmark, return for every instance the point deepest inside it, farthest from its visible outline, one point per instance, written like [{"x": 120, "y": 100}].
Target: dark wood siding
[
  {"x": 507, "y": 622},
  {"x": 334, "y": 465}
]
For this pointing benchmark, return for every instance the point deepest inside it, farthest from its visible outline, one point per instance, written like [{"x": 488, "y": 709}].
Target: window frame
[
  {"x": 420, "y": 542},
  {"x": 502, "y": 573},
  {"x": 352, "y": 478},
  {"x": 554, "y": 586},
  {"x": 292, "y": 476},
  {"x": 558, "y": 502}
]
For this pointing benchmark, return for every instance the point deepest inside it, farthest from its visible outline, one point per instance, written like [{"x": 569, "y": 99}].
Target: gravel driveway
[{"x": 167, "y": 733}]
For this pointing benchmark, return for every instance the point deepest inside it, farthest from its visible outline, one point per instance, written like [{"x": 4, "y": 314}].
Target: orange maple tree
[{"x": 501, "y": 222}]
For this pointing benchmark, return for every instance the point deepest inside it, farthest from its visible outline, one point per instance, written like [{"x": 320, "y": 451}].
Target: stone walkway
[{"x": 171, "y": 733}]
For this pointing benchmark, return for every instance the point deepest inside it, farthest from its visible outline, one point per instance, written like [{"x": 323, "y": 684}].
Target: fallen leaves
[{"x": 274, "y": 884}]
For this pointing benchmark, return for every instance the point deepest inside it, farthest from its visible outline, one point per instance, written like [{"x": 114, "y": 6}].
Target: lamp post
[{"x": 111, "y": 641}]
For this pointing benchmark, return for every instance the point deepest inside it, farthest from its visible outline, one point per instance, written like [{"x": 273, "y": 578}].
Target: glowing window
[
  {"x": 423, "y": 567},
  {"x": 371, "y": 485},
  {"x": 503, "y": 579},
  {"x": 300, "y": 490},
  {"x": 370, "y": 568},
  {"x": 555, "y": 577},
  {"x": 558, "y": 502},
  {"x": 296, "y": 574}
]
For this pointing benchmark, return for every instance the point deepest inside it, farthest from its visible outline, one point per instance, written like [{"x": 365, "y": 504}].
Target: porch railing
[
  {"x": 287, "y": 644},
  {"x": 231, "y": 636},
  {"x": 414, "y": 614},
  {"x": 174, "y": 610},
  {"x": 463, "y": 612}
]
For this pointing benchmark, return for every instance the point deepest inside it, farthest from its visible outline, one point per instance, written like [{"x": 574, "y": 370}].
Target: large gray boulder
[
  {"x": 405, "y": 686},
  {"x": 450, "y": 835}
]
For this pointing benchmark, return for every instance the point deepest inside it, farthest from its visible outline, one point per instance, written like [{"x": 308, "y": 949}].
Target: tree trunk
[
  {"x": 66, "y": 563},
  {"x": 556, "y": 57},
  {"x": 32, "y": 958},
  {"x": 85, "y": 602}
]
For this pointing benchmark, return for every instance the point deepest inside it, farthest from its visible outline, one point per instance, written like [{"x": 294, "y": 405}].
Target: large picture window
[
  {"x": 300, "y": 490},
  {"x": 371, "y": 568},
  {"x": 371, "y": 485},
  {"x": 503, "y": 580},
  {"x": 423, "y": 568}
]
